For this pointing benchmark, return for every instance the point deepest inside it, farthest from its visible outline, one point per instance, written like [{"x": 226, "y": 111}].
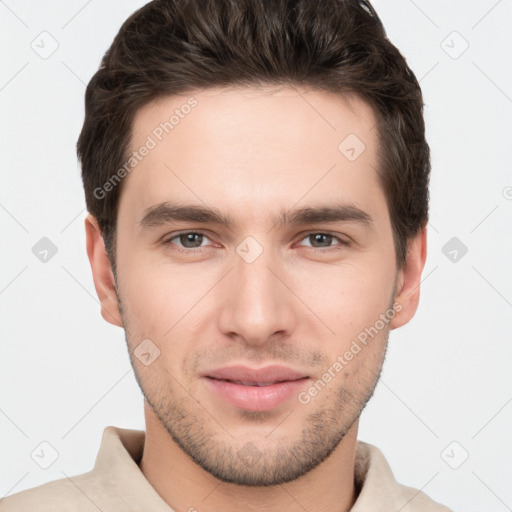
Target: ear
[
  {"x": 409, "y": 278},
  {"x": 102, "y": 272}
]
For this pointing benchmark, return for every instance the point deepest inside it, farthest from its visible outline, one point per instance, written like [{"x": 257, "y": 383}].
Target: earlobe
[
  {"x": 409, "y": 279},
  {"x": 102, "y": 272}
]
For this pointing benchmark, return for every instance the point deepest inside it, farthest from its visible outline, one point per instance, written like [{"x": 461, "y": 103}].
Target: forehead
[{"x": 251, "y": 149}]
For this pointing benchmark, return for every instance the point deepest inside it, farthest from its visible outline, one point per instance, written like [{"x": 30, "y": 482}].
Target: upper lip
[{"x": 271, "y": 373}]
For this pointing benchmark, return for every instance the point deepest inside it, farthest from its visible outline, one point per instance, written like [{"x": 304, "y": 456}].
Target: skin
[{"x": 250, "y": 153}]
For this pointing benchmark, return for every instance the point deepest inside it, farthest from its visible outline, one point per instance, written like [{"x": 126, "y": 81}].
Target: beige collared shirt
[{"x": 116, "y": 484}]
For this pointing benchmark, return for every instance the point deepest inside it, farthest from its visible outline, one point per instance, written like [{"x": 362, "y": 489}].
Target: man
[{"x": 256, "y": 175}]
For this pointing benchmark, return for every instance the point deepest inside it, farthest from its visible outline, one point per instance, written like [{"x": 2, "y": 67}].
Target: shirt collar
[
  {"x": 121, "y": 451},
  {"x": 117, "y": 468}
]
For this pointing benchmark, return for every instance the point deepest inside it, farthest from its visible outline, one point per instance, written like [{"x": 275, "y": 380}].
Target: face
[{"x": 257, "y": 342}]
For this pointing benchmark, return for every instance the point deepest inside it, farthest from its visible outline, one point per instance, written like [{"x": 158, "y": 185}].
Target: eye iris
[
  {"x": 318, "y": 238},
  {"x": 189, "y": 237}
]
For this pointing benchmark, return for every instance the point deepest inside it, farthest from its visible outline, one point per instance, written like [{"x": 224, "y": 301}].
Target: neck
[{"x": 185, "y": 486}]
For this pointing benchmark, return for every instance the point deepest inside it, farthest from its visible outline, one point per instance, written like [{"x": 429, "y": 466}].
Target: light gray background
[{"x": 65, "y": 372}]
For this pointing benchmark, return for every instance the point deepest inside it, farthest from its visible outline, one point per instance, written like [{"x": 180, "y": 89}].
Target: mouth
[
  {"x": 267, "y": 375},
  {"x": 251, "y": 389},
  {"x": 259, "y": 384}
]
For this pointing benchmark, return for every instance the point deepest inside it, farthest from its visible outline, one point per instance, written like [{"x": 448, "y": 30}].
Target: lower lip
[{"x": 256, "y": 398}]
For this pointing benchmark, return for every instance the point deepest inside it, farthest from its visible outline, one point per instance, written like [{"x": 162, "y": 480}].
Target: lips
[
  {"x": 256, "y": 377},
  {"x": 252, "y": 383},
  {"x": 252, "y": 389}
]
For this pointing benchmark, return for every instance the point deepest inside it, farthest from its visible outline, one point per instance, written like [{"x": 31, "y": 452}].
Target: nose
[{"x": 258, "y": 304}]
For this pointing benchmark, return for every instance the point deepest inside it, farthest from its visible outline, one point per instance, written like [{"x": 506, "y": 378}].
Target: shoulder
[
  {"x": 76, "y": 493},
  {"x": 114, "y": 476},
  {"x": 417, "y": 501}
]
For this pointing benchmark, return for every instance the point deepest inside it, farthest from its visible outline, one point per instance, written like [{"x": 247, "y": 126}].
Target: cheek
[
  {"x": 347, "y": 296},
  {"x": 151, "y": 295},
  {"x": 163, "y": 299}
]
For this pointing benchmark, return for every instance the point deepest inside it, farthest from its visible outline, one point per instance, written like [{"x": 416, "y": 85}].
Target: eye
[
  {"x": 190, "y": 240},
  {"x": 325, "y": 239}
]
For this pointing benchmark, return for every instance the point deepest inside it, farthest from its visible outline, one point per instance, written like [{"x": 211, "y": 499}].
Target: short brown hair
[{"x": 171, "y": 46}]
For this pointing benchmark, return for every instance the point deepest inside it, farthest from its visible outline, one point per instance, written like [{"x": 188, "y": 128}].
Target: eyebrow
[{"x": 167, "y": 212}]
